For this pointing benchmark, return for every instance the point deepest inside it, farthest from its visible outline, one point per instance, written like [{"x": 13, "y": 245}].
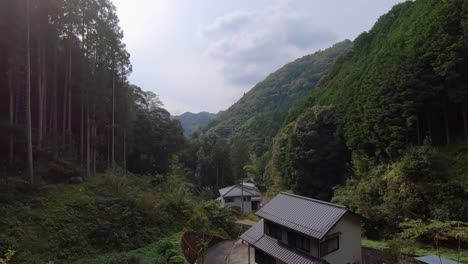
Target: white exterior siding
[
  {"x": 349, "y": 250},
  {"x": 238, "y": 203}
]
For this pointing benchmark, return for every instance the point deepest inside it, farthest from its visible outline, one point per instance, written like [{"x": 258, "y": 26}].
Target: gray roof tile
[{"x": 308, "y": 216}]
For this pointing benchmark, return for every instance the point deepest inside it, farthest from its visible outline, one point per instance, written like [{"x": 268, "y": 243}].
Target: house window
[
  {"x": 299, "y": 241},
  {"x": 273, "y": 230},
  {"x": 228, "y": 199},
  {"x": 246, "y": 198},
  {"x": 329, "y": 245},
  {"x": 262, "y": 258}
]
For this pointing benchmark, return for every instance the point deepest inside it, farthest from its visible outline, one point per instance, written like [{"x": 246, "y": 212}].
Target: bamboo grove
[{"x": 64, "y": 88}]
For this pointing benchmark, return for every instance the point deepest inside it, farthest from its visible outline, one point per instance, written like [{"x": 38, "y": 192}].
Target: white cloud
[{"x": 249, "y": 45}]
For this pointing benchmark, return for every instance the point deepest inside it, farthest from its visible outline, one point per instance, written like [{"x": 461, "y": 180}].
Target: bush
[
  {"x": 448, "y": 232},
  {"x": 119, "y": 226},
  {"x": 58, "y": 170},
  {"x": 414, "y": 188}
]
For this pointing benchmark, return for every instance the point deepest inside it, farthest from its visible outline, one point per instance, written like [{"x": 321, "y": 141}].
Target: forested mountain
[
  {"x": 389, "y": 124},
  {"x": 261, "y": 111},
  {"x": 191, "y": 121}
]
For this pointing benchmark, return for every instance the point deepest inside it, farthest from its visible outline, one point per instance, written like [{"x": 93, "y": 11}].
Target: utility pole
[{"x": 242, "y": 195}]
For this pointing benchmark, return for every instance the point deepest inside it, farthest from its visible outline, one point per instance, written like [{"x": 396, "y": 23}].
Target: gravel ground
[{"x": 231, "y": 251}]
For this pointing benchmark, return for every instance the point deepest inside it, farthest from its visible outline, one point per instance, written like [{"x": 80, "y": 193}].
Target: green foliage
[
  {"x": 312, "y": 157},
  {"x": 8, "y": 256},
  {"x": 191, "y": 122},
  {"x": 215, "y": 162},
  {"x": 402, "y": 84},
  {"x": 212, "y": 219},
  {"x": 258, "y": 115},
  {"x": 109, "y": 213},
  {"x": 413, "y": 249},
  {"x": 158, "y": 136},
  {"x": 160, "y": 252},
  {"x": 415, "y": 187},
  {"x": 426, "y": 232},
  {"x": 390, "y": 90}
]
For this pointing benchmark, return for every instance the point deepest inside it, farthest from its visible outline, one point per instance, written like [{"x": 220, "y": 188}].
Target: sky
[{"x": 203, "y": 55}]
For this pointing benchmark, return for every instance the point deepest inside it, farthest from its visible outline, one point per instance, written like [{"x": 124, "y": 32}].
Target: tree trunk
[
  {"x": 94, "y": 148},
  {"x": 40, "y": 96},
  {"x": 217, "y": 174},
  {"x": 113, "y": 118},
  {"x": 429, "y": 126},
  {"x": 53, "y": 111},
  {"x": 12, "y": 115},
  {"x": 465, "y": 117},
  {"x": 446, "y": 124},
  {"x": 88, "y": 150},
  {"x": 108, "y": 149},
  {"x": 44, "y": 98},
  {"x": 418, "y": 130},
  {"x": 222, "y": 177},
  {"x": 65, "y": 97},
  {"x": 82, "y": 133},
  {"x": 28, "y": 97},
  {"x": 125, "y": 151},
  {"x": 69, "y": 130}
]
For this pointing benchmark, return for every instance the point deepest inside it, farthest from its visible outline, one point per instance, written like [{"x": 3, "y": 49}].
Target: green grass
[
  {"x": 150, "y": 254},
  {"x": 419, "y": 250},
  {"x": 252, "y": 217}
]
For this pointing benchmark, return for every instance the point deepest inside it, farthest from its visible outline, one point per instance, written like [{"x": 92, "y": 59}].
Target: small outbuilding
[
  {"x": 243, "y": 197},
  {"x": 435, "y": 260}
]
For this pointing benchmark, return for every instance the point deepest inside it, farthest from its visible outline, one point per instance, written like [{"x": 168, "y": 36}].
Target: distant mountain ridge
[
  {"x": 192, "y": 121},
  {"x": 258, "y": 115}
]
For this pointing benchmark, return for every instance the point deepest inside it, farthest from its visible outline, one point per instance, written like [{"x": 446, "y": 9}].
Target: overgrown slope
[
  {"x": 112, "y": 218},
  {"x": 259, "y": 113}
]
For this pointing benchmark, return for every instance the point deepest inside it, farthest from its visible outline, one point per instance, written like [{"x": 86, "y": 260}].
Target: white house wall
[
  {"x": 238, "y": 203},
  {"x": 349, "y": 242}
]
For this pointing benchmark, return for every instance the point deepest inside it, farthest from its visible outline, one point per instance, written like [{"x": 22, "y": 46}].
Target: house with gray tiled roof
[
  {"x": 241, "y": 197},
  {"x": 296, "y": 229}
]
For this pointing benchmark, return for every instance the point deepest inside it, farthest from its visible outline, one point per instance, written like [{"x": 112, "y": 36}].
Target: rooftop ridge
[
  {"x": 314, "y": 200},
  {"x": 246, "y": 190},
  {"x": 230, "y": 189}
]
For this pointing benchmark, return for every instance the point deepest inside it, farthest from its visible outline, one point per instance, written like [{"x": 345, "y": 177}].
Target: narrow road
[{"x": 229, "y": 252}]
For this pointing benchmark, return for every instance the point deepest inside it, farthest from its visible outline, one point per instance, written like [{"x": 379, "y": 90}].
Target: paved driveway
[{"x": 229, "y": 252}]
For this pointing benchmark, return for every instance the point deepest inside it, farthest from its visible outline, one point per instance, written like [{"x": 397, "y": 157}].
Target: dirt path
[{"x": 231, "y": 252}]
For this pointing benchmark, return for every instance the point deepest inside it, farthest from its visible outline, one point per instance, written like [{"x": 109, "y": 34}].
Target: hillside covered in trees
[
  {"x": 258, "y": 115},
  {"x": 191, "y": 122},
  {"x": 385, "y": 133}
]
